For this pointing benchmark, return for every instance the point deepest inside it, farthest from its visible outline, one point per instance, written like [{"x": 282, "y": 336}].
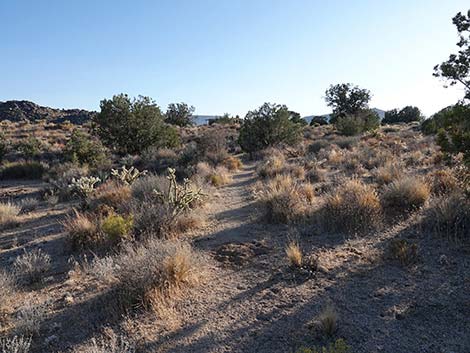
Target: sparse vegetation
[
  {"x": 8, "y": 214},
  {"x": 31, "y": 266},
  {"x": 405, "y": 195}
]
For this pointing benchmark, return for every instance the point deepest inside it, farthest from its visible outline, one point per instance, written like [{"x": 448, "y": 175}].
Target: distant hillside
[
  {"x": 380, "y": 113},
  {"x": 28, "y": 111}
]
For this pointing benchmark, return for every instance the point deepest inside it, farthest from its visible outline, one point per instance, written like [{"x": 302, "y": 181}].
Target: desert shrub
[
  {"x": 82, "y": 231},
  {"x": 352, "y": 207},
  {"x": 232, "y": 163},
  {"x": 111, "y": 343},
  {"x": 346, "y": 142},
  {"x": 84, "y": 149},
  {"x": 155, "y": 269},
  {"x": 111, "y": 195},
  {"x": 117, "y": 227},
  {"x": 131, "y": 126},
  {"x": 406, "y": 115},
  {"x": 7, "y": 288},
  {"x": 270, "y": 125},
  {"x": 319, "y": 120},
  {"x": 449, "y": 216},
  {"x": 338, "y": 346},
  {"x": 3, "y": 146},
  {"x": 143, "y": 188},
  {"x": 442, "y": 181},
  {"x": 22, "y": 170},
  {"x": 219, "y": 177},
  {"x": 8, "y": 214},
  {"x": 159, "y": 159},
  {"x": 284, "y": 200},
  {"x": 389, "y": 172},
  {"x": 271, "y": 166},
  {"x": 28, "y": 205},
  {"x": 403, "y": 251},
  {"x": 212, "y": 146},
  {"x": 30, "y": 317},
  {"x": 355, "y": 124},
  {"x": 29, "y": 148},
  {"x": 317, "y": 145},
  {"x": 405, "y": 195},
  {"x": 15, "y": 344},
  {"x": 30, "y": 267}
]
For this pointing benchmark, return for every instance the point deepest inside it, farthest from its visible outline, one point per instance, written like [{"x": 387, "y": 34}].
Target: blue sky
[{"x": 226, "y": 56}]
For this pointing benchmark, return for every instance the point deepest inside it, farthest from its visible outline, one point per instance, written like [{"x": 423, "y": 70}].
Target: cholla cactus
[
  {"x": 178, "y": 198},
  {"x": 127, "y": 176},
  {"x": 84, "y": 186}
]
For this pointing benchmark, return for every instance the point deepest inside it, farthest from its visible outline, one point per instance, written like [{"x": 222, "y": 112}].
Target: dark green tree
[
  {"x": 269, "y": 125},
  {"x": 318, "y": 120},
  {"x": 346, "y": 99},
  {"x": 296, "y": 118},
  {"x": 84, "y": 149},
  {"x": 457, "y": 68},
  {"x": 179, "y": 114},
  {"x": 405, "y": 115},
  {"x": 131, "y": 126}
]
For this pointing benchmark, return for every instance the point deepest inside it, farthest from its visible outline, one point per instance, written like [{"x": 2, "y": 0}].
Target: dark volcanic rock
[{"x": 28, "y": 111}]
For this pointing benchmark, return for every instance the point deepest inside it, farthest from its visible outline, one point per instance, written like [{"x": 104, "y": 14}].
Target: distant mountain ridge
[{"x": 16, "y": 111}]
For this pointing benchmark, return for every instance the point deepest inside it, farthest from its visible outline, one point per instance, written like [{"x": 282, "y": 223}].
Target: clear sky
[{"x": 226, "y": 56}]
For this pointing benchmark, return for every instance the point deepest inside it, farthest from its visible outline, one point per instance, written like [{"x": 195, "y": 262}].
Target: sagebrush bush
[
  {"x": 317, "y": 145},
  {"x": 389, "y": 172},
  {"x": 352, "y": 207},
  {"x": 157, "y": 268},
  {"x": 111, "y": 343},
  {"x": 30, "y": 267},
  {"x": 405, "y": 195},
  {"x": 22, "y": 170},
  {"x": 442, "y": 181},
  {"x": 271, "y": 166},
  {"x": 355, "y": 124},
  {"x": 8, "y": 214},
  {"x": 30, "y": 317},
  {"x": 143, "y": 188},
  {"x": 112, "y": 195},
  {"x": 8, "y": 287}
]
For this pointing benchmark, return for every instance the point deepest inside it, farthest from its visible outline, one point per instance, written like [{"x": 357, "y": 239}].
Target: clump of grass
[
  {"x": 157, "y": 269},
  {"x": 29, "y": 318},
  {"x": 443, "y": 181},
  {"x": 8, "y": 287},
  {"x": 352, "y": 207},
  {"x": 15, "y": 344},
  {"x": 338, "y": 346},
  {"x": 449, "y": 216},
  {"x": 28, "y": 205},
  {"x": 111, "y": 343},
  {"x": 31, "y": 266},
  {"x": 403, "y": 251},
  {"x": 112, "y": 194},
  {"x": 284, "y": 200},
  {"x": 82, "y": 231},
  {"x": 389, "y": 172},
  {"x": 219, "y": 176},
  {"x": 328, "y": 320},
  {"x": 232, "y": 163},
  {"x": 8, "y": 214},
  {"x": 294, "y": 254},
  {"x": 273, "y": 165},
  {"x": 405, "y": 195}
]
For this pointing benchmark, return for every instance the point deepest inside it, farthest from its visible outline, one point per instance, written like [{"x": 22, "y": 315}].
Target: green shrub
[
  {"x": 83, "y": 149},
  {"x": 29, "y": 148},
  {"x": 179, "y": 114},
  {"x": 22, "y": 170},
  {"x": 131, "y": 126},
  {"x": 269, "y": 125},
  {"x": 406, "y": 115},
  {"x": 117, "y": 227},
  {"x": 351, "y": 125}
]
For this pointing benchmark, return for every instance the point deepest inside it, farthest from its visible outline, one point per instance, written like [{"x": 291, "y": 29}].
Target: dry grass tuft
[
  {"x": 449, "y": 216},
  {"x": 294, "y": 254},
  {"x": 405, "y": 195},
  {"x": 16, "y": 344},
  {"x": 443, "y": 182},
  {"x": 273, "y": 165},
  {"x": 30, "y": 317},
  {"x": 352, "y": 207},
  {"x": 328, "y": 320},
  {"x": 284, "y": 200},
  {"x": 8, "y": 214},
  {"x": 7, "y": 288},
  {"x": 82, "y": 231},
  {"x": 157, "y": 268},
  {"x": 31, "y": 266},
  {"x": 389, "y": 172},
  {"x": 110, "y": 343},
  {"x": 403, "y": 251},
  {"x": 232, "y": 163}
]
